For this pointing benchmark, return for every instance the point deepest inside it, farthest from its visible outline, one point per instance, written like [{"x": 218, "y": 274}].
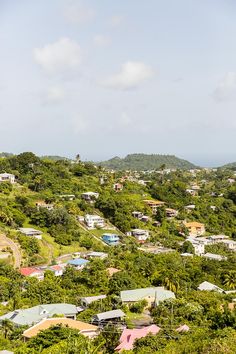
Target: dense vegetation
[
  {"x": 140, "y": 162},
  {"x": 211, "y": 316}
]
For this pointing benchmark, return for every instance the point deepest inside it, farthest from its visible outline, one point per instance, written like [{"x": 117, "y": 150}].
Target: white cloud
[
  {"x": 116, "y": 20},
  {"x": 55, "y": 94},
  {"x": 77, "y": 13},
  {"x": 226, "y": 89},
  {"x": 59, "y": 57},
  {"x": 132, "y": 74},
  {"x": 101, "y": 40}
]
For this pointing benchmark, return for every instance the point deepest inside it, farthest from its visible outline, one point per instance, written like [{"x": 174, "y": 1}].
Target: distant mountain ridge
[
  {"x": 141, "y": 162},
  {"x": 231, "y": 165}
]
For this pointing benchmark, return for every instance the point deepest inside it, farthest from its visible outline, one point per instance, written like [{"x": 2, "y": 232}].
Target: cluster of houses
[{"x": 44, "y": 316}]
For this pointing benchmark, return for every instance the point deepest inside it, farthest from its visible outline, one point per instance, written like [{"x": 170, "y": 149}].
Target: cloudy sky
[{"x": 105, "y": 78}]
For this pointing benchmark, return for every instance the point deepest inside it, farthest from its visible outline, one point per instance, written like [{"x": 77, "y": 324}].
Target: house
[
  {"x": 186, "y": 254},
  {"x": 117, "y": 187},
  {"x": 140, "y": 216},
  {"x": 28, "y": 231},
  {"x": 231, "y": 180},
  {"x": 93, "y": 221},
  {"x": 230, "y": 244},
  {"x": 57, "y": 270},
  {"x": 32, "y": 272},
  {"x": 190, "y": 207},
  {"x": 195, "y": 187},
  {"x": 137, "y": 214},
  {"x": 114, "y": 316},
  {"x": 6, "y": 352},
  {"x": 86, "y": 329},
  {"x": 215, "y": 257},
  {"x": 195, "y": 228},
  {"x": 154, "y": 205},
  {"x": 78, "y": 263},
  {"x": 41, "y": 204},
  {"x": 152, "y": 295},
  {"x": 33, "y": 315},
  {"x": 217, "y": 239},
  {"x": 156, "y": 223},
  {"x": 199, "y": 247},
  {"x": 192, "y": 192},
  {"x": 90, "y": 196},
  {"x": 171, "y": 213},
  {"x": 86, "y": 301},
  {"x": 140, "y": 235},
  {"x": 111, "y": 239},
  {"x": 99, "y": 255},
  {"x": 183, "y": 328},
  {"x": 7, "y": 177},
  {"x": 206, "y": 286},
  {"x": 129, "y": 336},
  {"x": 111, "y": 271}
]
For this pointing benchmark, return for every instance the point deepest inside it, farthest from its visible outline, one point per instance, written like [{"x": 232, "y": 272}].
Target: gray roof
[
  {"x": 29, "y": 231},
  {"x": 159, "y": 294},
  {"x": 217, "y": 257},
  {"x": 109, "y": 315},
  {"x": 6, "y": 352},
  {"x": 209, "y": 287},
  {"x": 88, "y": 300},
  {"x": 37, "y": 313}
]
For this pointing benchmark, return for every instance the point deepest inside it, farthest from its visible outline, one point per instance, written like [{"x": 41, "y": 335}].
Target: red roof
[
  {"x": 27, "y": 271},
  {"x": 56, "y": 267}
]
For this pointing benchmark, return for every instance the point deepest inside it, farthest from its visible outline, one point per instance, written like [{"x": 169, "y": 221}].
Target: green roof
[
  {"x": 37, "y": 313},
  {"x": 158, "y": 293}
]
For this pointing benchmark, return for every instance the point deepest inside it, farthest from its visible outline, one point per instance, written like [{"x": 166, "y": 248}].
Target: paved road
[{"x": 7, "y": 242}]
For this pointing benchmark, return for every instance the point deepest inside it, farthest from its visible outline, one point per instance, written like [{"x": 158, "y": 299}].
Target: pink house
[{"x": 129, "y": 336}]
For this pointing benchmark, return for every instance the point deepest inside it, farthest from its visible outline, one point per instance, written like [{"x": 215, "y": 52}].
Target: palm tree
[
  {"x": 171, "y": 284},
  {"x": 230, "y": 279},
  {"x": 7, "y": 327}
]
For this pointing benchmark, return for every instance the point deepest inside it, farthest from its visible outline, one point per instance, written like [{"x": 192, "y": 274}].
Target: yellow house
[
  {"x": 195, "y": 228},
  {"x": 154, "y": 204}
]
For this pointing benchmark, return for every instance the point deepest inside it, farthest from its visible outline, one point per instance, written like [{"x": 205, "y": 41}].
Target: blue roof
[{"x": 77, "y": 261}]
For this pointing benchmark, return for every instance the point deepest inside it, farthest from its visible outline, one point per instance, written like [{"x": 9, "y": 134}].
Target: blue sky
[{"x": 106, "y": 78}]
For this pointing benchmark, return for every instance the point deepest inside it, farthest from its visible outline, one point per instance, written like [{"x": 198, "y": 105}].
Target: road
[{"x": 7, "y": 242}]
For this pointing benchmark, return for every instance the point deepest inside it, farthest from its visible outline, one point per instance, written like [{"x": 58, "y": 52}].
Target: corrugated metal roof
[{"x": 109, "y": 315}]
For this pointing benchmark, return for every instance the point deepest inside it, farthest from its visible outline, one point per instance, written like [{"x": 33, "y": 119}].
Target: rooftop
[
  {"x": 77, "y": 261},
  {"x": 47, "y": 323},
  {"x": 109, "y": 315},
  {"x": 27, "y": 317}
]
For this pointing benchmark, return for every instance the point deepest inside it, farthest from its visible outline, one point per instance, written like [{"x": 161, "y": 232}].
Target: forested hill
[
  {"x": 231, "y": 165},
  {"x": 146, "y": 162}
]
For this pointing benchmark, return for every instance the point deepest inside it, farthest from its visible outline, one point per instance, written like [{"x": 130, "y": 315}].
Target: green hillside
[
  {"x": 146, "y": 162},
  {"x": 231, "y": 165}
]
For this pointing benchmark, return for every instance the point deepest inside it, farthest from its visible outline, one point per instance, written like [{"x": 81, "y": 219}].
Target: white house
[
  {"x": 171, "y": 213},
  {"x": 207, "y": 286},
  {"x": 140, "y": 235},
  {"x": 217, "y": 238},
  {"x": 230, "y": 244},
  {"x": 7, "y": 177},
  {"x": 199, "y": 247},
  {"x": 93, "y": 221}
]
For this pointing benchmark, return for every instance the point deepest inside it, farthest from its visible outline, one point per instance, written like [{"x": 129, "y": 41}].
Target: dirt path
[{"x": 7, "y": 242}]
